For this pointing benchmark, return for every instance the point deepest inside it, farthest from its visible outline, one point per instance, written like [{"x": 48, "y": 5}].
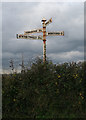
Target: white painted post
[{"x": 44, "y": 40}]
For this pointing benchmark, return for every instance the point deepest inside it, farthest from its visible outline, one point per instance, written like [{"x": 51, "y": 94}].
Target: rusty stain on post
[{"x": 44, "y": 39}]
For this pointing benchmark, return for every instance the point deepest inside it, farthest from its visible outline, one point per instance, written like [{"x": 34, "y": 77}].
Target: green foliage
[{"x": 45, "y": 90}]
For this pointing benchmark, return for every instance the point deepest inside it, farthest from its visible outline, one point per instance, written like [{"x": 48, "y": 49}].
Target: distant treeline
[{"x": 45, "y": 90}]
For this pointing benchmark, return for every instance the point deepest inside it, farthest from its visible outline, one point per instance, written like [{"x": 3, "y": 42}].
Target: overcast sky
[{"x": 18, "y": 17}]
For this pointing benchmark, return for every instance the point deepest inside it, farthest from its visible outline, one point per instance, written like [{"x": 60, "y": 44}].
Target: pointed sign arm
[
  {"x": 33, "y": 31},
  {"x": 49, "y": 21},
  {"x": 55, "y": 33},
  {"x": 22, "y": 36}
]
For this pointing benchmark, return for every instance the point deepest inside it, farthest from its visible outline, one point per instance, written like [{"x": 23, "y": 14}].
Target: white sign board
[
  {"x": 48, "y": 22},
  {"x": 21, "y": 36},
  {"x": 55, "y": 33},
  {"x": 33, "y": 31}
]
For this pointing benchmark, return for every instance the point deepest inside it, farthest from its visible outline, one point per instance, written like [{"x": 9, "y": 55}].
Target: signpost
[{"x": 27, "y": 35}]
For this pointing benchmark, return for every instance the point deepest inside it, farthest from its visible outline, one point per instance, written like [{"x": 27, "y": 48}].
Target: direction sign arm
[
  {"x": 55, "y": 33},
  {"x": 22, "y": 36},
  {"x": 33, "y": 31},
  {"x": 49, "y": 21}
]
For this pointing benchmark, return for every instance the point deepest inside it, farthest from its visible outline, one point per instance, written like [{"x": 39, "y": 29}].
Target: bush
[{"x": 46, "y": 90}]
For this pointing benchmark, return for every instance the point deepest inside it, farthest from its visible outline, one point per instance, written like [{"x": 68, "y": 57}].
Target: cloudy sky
[{"x": 18, "y": 17}]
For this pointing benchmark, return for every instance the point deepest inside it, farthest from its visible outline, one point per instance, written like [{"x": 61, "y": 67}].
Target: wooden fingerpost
[
  {"x": 28, "y": 35},
  {"x": 44, "y": 40}
]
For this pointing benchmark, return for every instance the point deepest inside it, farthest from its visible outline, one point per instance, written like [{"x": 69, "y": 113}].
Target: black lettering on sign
[{"x": 40, "y": 30}]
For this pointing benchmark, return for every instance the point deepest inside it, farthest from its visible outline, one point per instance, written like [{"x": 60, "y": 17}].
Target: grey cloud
[
  {"x": 18, "y": 17},
  {"x": 66, "y": 56}
]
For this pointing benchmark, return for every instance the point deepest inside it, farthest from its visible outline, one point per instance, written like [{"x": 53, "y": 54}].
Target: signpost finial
[{"x": 43, "y": 20}]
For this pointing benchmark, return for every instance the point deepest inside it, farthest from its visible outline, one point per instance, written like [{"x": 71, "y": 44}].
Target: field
[{"x": 45, "y": 90}]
